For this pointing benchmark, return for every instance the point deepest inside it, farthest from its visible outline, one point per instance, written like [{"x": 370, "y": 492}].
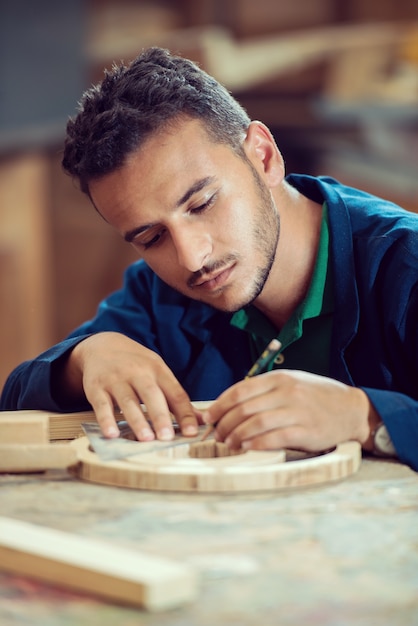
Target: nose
[{"x": 193, "y": 247}]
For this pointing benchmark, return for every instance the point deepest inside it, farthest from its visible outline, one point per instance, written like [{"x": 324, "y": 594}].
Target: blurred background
[{"x": 337, "y": 83}]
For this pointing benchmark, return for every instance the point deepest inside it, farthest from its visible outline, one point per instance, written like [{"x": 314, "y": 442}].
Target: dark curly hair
[{"x": 133, "y": 101}]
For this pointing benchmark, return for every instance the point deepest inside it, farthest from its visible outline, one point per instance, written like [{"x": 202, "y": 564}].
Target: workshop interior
[{"x": 190, "y": 532}]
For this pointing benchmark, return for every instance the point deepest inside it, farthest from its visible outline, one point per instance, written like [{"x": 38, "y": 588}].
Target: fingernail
[
  {"x": 112, "y": 432},
  {"x": 190, "y": 430},
  {"x": 165, "y": 434},
  {"x": 146, "y": 434}
]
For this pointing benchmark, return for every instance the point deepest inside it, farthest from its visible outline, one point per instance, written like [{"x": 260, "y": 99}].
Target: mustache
[{"x": 208, "y": 270}]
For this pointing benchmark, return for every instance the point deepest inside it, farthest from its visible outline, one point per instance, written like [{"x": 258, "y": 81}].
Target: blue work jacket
[{"x": 374, "y": 256}]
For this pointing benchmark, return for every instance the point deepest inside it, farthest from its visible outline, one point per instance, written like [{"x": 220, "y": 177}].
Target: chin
[
  {"x": 227, "y": 299},
  {"x": 230, "y": 304}
]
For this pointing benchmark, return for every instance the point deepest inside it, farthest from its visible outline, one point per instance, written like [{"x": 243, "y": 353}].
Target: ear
[{"x": 261, "y": 149}]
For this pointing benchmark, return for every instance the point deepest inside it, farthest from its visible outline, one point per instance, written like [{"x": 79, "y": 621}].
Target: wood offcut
[{"x": 95, "y": 567}]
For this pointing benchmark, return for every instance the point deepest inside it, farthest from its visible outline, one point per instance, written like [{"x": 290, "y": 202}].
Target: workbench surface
[{"x": 339, "y": 554}]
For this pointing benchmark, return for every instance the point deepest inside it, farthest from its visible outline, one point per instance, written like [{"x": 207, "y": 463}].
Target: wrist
[
  {"x": 369, "y": 423},
  {"x": 378, "y": 440},
  {"x": 373, "y": 421}
]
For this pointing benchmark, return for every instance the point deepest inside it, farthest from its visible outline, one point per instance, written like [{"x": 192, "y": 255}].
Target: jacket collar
[{"x": 346, "y": 314}]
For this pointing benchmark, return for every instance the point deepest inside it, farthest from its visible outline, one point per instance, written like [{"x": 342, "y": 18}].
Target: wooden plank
[
  {"x": 95, "y": 567},
  {"x": 24, "y": 427},
  {"x": 68, "y": 425},
  {"x": 59, "y": 426},
  {"x": 21, "y": 458},
  {"x": 244, "y": 65}
]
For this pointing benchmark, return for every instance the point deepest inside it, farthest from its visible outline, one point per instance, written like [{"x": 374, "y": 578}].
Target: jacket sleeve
[
  {"x": 399, "y": 412},
  {"x": 31, "y": 384}
]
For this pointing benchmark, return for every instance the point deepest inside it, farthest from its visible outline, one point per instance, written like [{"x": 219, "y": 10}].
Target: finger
[
  {"x": 293, "y": 437},
  {"x": 201, "y": 409},
  {"x": 165, "y": 402},
  {"x": 155, "y": 420},
  {"x": 256, "y": 414},
  {"x": 276, "y": 439},
  {"x": 125, "y": 398},
  {"x": 136, "y": 418},
  {"x": 179, "y": 403},
  {"x": 186, "y": 415},
  {"x": 103, "y": 409},
  {"x": 199, "y": 415},
  {"x": 237, "y": 395},
  {"x": 258, "y": 425}
]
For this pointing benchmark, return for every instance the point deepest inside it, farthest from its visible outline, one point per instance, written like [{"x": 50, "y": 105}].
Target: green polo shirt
[{"x": 306, "y": 336}]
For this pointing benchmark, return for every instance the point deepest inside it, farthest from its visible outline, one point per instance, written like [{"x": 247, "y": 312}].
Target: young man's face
[{"x": 201, "y": 217}]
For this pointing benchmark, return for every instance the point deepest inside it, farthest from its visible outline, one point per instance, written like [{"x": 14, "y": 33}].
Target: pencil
[
  {"x": 261, "y": 363},
  {"x": 265, "y": 358}
]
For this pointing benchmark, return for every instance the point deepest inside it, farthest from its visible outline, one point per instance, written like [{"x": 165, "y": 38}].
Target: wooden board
[
  {"x": 25, "y": 445},
  {"x": 24, "y": 427},
  {"x": 68, "y": 425},
  {"x": 30, "y": 426},
  {"x": 204, "y": 467},
  {"x": 91, "y": 566},
  {"x": 35, "y": 457}
]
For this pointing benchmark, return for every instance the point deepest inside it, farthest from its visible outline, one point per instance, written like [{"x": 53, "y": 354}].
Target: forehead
[
  {"x": 160, "y": 172},
  {"x": 179, "y": 149}
]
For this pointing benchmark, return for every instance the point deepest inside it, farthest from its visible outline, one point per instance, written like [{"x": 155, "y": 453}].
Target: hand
[
  {"x": 290, "y": 409},
  {"x": 115, "y": 371}
]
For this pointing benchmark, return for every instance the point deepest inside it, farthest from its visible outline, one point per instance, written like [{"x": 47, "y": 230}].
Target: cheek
[
  {"x": 165, "y": 264},
  {"x": 237, "y": 230},
  {"x": 228, "y": 221}
]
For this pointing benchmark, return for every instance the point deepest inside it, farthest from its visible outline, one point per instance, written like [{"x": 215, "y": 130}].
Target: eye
[
  {"x": 206, "y": 205},
  {"x": 151, "y": 242}
]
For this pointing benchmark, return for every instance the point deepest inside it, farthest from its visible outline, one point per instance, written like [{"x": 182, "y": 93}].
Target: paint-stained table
[{"x": 339, "y": 554}]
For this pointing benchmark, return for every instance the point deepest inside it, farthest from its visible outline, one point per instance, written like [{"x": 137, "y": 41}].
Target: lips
[{"x": 213, "y": 281}]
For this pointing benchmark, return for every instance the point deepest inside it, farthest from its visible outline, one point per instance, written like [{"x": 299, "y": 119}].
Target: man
[{"x": 232, "y": 255}]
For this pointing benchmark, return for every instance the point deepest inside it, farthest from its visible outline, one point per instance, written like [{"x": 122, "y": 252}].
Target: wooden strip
[
  {"x": 68, "y": 425},
  {"x": 24, "y": 427},
  {"x": 62, "y": 426},
  {"x": 92, "y": 566},
  {"x": 19, "y": 458},
  {"x": 250, "y": 471}
]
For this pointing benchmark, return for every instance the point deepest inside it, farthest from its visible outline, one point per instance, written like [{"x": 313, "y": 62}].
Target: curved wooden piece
[{"x": 205, "y": 467}]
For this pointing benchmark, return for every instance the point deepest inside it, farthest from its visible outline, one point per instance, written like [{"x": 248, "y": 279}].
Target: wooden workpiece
[
  {"x": 93, "y": 566},
  {"x": 24, "y": 427},
  {"x": 205, "y": 466},
  {"x": 208, "y": 467},
  {"x": 35, "y": 457},
  {"x": 68, "y": 425},
  {"x": 41, "y": 426},
  {"x": 25, "y": 444}
]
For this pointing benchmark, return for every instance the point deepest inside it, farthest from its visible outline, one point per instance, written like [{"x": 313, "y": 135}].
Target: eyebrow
[{"x": 195, "y": 188}]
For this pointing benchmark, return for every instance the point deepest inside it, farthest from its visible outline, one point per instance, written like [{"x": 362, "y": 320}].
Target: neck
[{"x": 291, "y": 273}]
